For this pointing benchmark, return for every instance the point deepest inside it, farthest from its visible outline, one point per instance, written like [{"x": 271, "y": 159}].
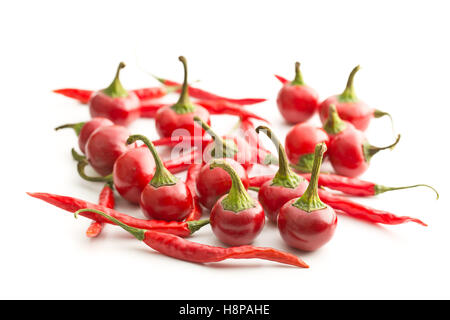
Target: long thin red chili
[
  {"x": 201, "y": 141},
  {"x": 81, "y": 95},
  {"x": 191, "y": 181},
  {"x": 182, "y": 229},
  {"x": 225, "y": 107},
  {"x": 149, "y": 110},
  {"x": 183, "y": 162},
  {"x": 282, "y": 79},
  {"x": 264, "y": 156},
  {"x": 205, "y": 95},
  {"x": 179, "y": 248},
  {"x": 151, "y": 93},
  {"x": 350, "y": 207},
  {"x": 106, "y": 199},
  {"x": 357, "y": 187}
]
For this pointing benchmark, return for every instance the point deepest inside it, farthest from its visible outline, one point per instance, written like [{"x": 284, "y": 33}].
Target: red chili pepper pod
[
  {"x": 349, "y": 151},
  {"x": 191, "y": 182},
  {"x": 178, "y": 118},
  {"x": 115, "y": 103},
  {"x": 165, "y": 197},
  {"x": 106, "y": 199},
  {"x": 283, "y": 80},
  {"x": 306, "y": 223},
  {"x": 300, "y": 143},
  {"x": 284, "y": 186},
  {"x": 81, "y": 95},
  {"x": 236, "y": 218},
  {"x": 178, "y": 248},
  {"x": 224, "y": 107},
  {"x": 84, "y": 129},
  {"x": 212, "y": 184},
  {"x": 104, "y": 146},
  {"x": 296, "y": 101},
  {"x": 70, "y": 204},
  {"x": 349, "y": 107}
]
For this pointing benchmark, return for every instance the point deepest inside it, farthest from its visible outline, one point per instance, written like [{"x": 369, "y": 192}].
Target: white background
[{"x": 234, "y": 48}]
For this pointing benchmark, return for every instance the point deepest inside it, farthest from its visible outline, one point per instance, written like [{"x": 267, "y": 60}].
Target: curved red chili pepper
[
  {"x": 282, "y": 79},
  {"x": 149, "y": 110},
  {"x": 191, "y": 181},
  {"x": 106, "y": 199},
  {"x": 205, "y": 95},
  {"x": 179, "y": 248},
  {"x": 81, "y": 95},
  {"x": 225, "y": 107},
  {"x": 182, "y": 229},
  {"x": 151, "y": 93}
]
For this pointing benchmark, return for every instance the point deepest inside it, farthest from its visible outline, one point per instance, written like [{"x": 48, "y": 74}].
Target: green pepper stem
[
  {"x": 115, "y": 89},
  {"x": 370, "y": 151},
  {"x": 222, "y": 148},
  {"x": 195, "y": 225},
  {"x": 138, "y": 233},
  {"x": 310, "y": 200},
  {"x": 349, "y": 94},
  {"x": 76, "y": 156},
  {"x": 184, "y": 104},
  {"x": 237, "y": 198},
  {"x": 378, "y": 114},
  {"x": 81, "y": 171},
  {"x": 380, "y": 188},
  {"x": 285, "y": 176},
  {"x": 298, "y": 76},
  {"x": 334, "y": 123},
  {"x": 75, "y": 126},
  {"x": 162, "y": 176}
]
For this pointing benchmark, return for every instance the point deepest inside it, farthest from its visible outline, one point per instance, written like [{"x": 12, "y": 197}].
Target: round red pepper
[
  {"x": 115, "y": 103},
  {"x": 236, "y": 218},
  {"x": 296, "y": 101},
  {"x": 306, "y": 223},
  {"x": 178, "y": 119},
  {"x": 300, "y": 142},
  {"x": 349, "y": 107},
  {"x": 165, "y": 197}
]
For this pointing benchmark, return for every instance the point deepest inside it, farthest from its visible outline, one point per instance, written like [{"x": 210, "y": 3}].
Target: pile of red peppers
[{"x": 300, "y": 199}]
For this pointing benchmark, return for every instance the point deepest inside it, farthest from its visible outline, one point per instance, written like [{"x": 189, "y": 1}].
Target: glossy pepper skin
[
  {"x": 300, "y": 142},
  {"x": 165, "y": 197},
  {"x": 349, "y": 151},
  {"x": 104, "y": 146},
  {"x": 178, "y": 119},
  {"x": 88, "y": 128},
  {"x": 236, "y": 219},
  {"x": 214, "y": 183},
  {"x": 306, "y": 223},
  {"x": 296, "y": 101},
  {"x": 349, "y": 107},
  {"x": 115, "y": 103}
]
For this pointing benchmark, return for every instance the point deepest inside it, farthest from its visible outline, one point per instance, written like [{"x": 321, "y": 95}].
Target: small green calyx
[
  {"x": 298, "y": 81},
  {"x": 75, "y": 126},
  {"x": 138, "y": 233},
  {"x": 334, "y": 123},
  {"x": 162, "y": 176},
  {"x": 197, "y": 225},
  {"x": 284, "y": 177},
  {"x": 237, "y": 199},
  {"x": 223, "y": 148},
  {"x": 369, "y": 150},
  {"x": 310, "y": 200},
  {"x": 115, "y": 89},
  {"x": 184, "y": 104},
  {"x": 349, "y": 94}
]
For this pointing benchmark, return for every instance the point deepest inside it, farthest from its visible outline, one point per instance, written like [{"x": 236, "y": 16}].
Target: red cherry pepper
[
  {"x": 84, "y": 129},
  {"x": 204, "y": 95},
  {"x": 104, "y": 146},
  {"x": 349, "y": 107},
  {"x": 347, "y": 206},
  {"x": 115, "y": 103},
  {"x": 306, "y": 223},
  {"x": 165, "y": 197},
  {"x": 176, "y": 247},
  {"x": 284, "y": 186},
  {"x": 212, "y": 184},
  {"x": 106, "y": 199},
  {"x": 179, "y": 117},
  {"x": 300, "y": 142},
  {"x": 349, "y": 151},
  {"x": 296, "y": 101},
  {"x": 70, "y": 204},
  {"x": 236, "y": 219}
]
